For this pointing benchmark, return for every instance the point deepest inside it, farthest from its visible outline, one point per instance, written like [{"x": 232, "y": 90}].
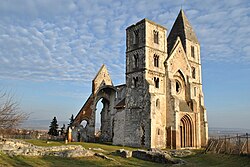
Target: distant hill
[
  {"x": 212, "y": 131},
  {"x": 216, "y": 132},
  {"x": 44, "y": 124},
  {"x": 40, "y": 124}
]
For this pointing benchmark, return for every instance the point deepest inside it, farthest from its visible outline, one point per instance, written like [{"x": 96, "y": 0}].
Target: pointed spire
[{"x": 183, "y": 29}]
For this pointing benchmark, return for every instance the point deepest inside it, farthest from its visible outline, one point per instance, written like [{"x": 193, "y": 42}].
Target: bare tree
[{"x": 10, "y": 114}]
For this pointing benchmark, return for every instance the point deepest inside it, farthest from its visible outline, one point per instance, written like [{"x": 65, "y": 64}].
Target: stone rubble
[
  {"x": 123, "y": 153},
  {"x": 181, "y": 153},
  {"x": 101, "y": 155},
  {"x": 97, "y": 149},
  {"x": 156, "y": 156},
  {"x": 14, "y": 147}
]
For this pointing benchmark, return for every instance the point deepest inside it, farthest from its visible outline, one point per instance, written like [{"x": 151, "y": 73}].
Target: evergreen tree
[
  {"x": 53, "y": 127},
  {"x": 63, "y": 129},
  {"x": 71, "y": 120}
]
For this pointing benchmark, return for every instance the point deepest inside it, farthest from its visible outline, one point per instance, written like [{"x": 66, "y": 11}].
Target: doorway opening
[
  {"x": 186, "y": 132},
  {"x": 102, "y": 108}
]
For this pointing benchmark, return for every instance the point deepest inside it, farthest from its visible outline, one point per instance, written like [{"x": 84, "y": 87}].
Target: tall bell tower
[
  {"x": 146, "y": 51},
  {"x": 183, "y": 30}
]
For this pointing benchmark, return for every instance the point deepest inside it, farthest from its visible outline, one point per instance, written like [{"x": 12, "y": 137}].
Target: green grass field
[{"x": 198, "y": 160}]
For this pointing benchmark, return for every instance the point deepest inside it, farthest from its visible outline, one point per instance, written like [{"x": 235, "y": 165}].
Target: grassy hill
[{"x": 198, "y": 159}]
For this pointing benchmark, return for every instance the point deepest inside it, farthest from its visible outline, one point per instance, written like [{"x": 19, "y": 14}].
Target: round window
[{"x": 178, "y": 86}]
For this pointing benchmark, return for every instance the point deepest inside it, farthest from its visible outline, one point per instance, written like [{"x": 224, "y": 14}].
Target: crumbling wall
[{"x": 119, "y": 126}]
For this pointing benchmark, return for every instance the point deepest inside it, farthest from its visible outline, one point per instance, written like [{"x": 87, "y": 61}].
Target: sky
[{"x": 51, "y": 50}]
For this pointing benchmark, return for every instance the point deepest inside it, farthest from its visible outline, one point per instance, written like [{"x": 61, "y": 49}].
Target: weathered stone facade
[{"x": 162, "y": 103}]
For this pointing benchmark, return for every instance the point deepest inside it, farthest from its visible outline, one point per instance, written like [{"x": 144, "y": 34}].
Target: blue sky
[{"x": 51, "y": 50}]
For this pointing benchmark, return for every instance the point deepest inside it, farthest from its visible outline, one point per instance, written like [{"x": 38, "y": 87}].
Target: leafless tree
[{"x": 10, "y": 114}]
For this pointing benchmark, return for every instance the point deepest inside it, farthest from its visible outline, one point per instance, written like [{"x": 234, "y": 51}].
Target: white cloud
[{"x": 68, "y": 40}]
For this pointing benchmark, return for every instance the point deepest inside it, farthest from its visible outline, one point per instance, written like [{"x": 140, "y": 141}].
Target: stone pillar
[{"x": 69, "y": 134}]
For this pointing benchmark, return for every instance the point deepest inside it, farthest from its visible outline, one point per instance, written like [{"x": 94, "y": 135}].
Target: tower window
[
  {"x": 193, "y": 73},
  {"x": 192, "y": 51},
  {"x": 156, "y": 80},
  {"x": 194, "y": 91},
  {"x": 158, "y": 131},
  {"x": 136, "y": 57},
  {"x": 156, "y": 60},
  {"x": 135, "y": 37},
  {"x": 135, "y": 80},
  {"x": 178, "y": 86},
  {"x": 157, "y": 103},
  {"x": 156, "y": 36}
]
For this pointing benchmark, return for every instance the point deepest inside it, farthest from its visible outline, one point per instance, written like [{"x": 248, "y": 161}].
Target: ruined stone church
[{"x": 162, "y": 103}]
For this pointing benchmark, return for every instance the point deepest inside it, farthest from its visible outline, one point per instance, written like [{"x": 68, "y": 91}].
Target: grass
[
  {"x": 198, "y": 159},
  {"x": 105, "y": 146},
  {"x": 218, "y": 160}
]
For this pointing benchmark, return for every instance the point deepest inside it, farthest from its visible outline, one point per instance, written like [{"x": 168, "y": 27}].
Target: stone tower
[
  {"x": 183, "y": 71},
  {"x": 146, "y": 51}
]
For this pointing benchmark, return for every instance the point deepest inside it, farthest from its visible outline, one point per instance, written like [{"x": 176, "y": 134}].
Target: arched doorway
[
  {"x": 186, "y": 131},
  {"x": 102, "y": 119},
  {"x": 98, "y": 111}
]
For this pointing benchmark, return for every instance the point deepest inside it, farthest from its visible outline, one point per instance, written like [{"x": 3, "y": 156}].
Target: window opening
[
  {"x": 157, "y": 103},
  {"x": 136, "y": 57},
  {"x": 158, "y": 131},
  {"x": 135, "y": 79},
  {"x": 156, "y": 80},
  {"x": 84, "y": 123},
  {"x": 156, "y": 60},
  {"x": 136, "y": 37},
  {"x": 192, "y": 51},
  {"x": 178, "y": 86},
  {"x": 156, "y": 37},
  {"x": 193, "y": 72}
]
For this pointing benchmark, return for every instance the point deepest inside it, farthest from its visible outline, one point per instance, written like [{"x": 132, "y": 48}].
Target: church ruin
[{"x": 162, "y": 103}]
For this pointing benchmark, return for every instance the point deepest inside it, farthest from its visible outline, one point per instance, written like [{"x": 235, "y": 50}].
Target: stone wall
[{"x": 119, "y": 127}]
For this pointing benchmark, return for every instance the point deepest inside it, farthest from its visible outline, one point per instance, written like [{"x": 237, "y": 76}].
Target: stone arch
[
  {"x": 84, "y": 123},
  {"x": 180, "y": 84},
  {"x": 186, "y": 131},
  {"x": 181, "y": 75},
  {"x": 105, "y": 94}
]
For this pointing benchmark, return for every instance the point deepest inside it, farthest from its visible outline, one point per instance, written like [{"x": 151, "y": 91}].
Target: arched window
[
  {"x": 135, "y": 80},
  {"x": 84, "y": 123},
  {"x": 156, "y": 60},
  {"x": 194, "y": 91},
  {"x": 158, "y": 131},
  {"x": 135, "y": 37},
  {"x": 192, "y": 52},
  {"x": 177, "y": 86},
  {"x": 136, "y": 58},
  {"x": 156, "y": 36},
  {"x": 193, "y": 73},
  {"x": 156, "y": 80}
]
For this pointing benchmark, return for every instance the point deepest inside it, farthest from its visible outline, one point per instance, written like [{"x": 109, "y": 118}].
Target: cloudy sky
[{"x": 51, "y": 50}]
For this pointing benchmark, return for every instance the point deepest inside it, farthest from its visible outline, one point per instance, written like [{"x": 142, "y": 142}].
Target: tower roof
[{"x": 183, "y": 29}]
